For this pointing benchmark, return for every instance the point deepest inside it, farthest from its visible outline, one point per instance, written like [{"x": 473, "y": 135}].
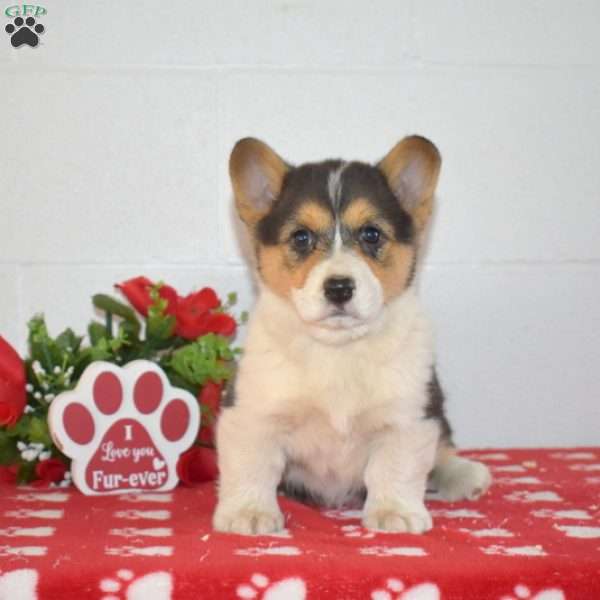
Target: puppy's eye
[
  {"x": 370, "y": 235},
  {"x": 302, "y": 240}
]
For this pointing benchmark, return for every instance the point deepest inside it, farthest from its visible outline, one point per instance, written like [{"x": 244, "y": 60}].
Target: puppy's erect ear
[
  {"x": 257, "y": 174},
  {"x": 412, "y": 167}
]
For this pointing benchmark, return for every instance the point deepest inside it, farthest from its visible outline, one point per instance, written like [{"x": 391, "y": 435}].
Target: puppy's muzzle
[{"x": 339, "y": 290}]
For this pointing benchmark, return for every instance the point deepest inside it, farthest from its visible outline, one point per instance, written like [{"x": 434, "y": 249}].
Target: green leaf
[
  {"x": 8, "y": 449},
  {"x": 68, "y": 342},
  {"x": 38, "y": 432},
  {"x": 26, "y": 472},
  {"x": 20, "y": 429},
  {"x": 109, "y": 305},
  {"x": 160, "y": 327},
  {"x": 96, "y": 332},
  {"x": 205, "y": 359},
  {"x": 41, "y": 346}
]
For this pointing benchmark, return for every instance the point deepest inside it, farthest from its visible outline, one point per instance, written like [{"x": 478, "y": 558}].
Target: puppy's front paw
[
  {"x": 398, "y": 517},
  {"x": 461, "y": 478},
  {"x": 248, "y": 521}
]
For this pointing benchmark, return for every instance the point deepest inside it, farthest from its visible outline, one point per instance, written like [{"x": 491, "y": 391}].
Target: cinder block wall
[{"x": 115, "y": 133}]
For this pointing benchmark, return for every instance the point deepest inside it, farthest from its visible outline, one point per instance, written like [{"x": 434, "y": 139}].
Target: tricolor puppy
[{"x": 336, "y": 398}]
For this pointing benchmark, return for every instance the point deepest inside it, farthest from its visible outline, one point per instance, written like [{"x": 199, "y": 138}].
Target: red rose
[
  {"x": 51, "y": 470},
  {"x": 137, "y": 292},
  {"x": 209, "y": 397},
  {"x": 193, "y": 312},
  {"x": 221, "y": 323},
  {"x": 13, "y": 396},
  {"x": 197, "y": 465}
]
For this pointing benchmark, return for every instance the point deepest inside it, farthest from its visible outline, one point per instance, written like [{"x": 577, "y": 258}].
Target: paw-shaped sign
[{"x": 124, "y": 428}]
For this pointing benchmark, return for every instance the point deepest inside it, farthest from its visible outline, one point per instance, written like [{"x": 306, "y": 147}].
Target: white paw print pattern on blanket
[
  {"x": 356, "y": 531},
  {"x": 125, "y": 586},
  {"x": 522, "y": 592},
  {"x": 261, "y": 587},
  {"x": 396, "y": 590},
  {"x": 270, "y": 551},
  {"x": 20, "y": 584}
]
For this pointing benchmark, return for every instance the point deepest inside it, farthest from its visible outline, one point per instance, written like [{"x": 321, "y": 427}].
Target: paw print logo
[
  {"x": 259, "y": 586},
  {"x": 125, "y": 586},
  {"x": 124, "y": 428},
  {"x": 24, "y": 32}
]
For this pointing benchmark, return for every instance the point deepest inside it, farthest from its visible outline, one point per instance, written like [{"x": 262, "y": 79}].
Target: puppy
[{"x": 336, "y": 398}]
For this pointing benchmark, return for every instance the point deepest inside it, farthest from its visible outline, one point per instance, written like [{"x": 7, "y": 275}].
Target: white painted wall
[{"x": 115, "y": 133}]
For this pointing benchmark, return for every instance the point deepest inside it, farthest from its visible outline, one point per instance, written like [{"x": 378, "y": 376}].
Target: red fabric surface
[{"x": 535, "y": 535}]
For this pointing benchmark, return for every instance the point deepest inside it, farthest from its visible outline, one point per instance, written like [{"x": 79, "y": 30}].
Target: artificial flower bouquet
[{"x": 190, "y": 337}]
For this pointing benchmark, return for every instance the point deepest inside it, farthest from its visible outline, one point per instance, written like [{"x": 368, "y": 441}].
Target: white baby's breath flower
[
  {"x": 29, "y": 388},
  {"x": 37, "y": 446},
  {"x": 49, "y": 397},
  {"x": 29, "y": 455},
  {"x": 38, "y": 395},
  {"x": 37, "y": 368},
  {"x": 56, "y": 370},
  {"x": 21, "y": 446},
  {"x": 28, "y": 409},
  {"x": 45, "y": 455}
]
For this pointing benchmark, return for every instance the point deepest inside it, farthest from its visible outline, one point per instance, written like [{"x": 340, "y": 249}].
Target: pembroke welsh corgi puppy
[{"x": 336, "y": 398}]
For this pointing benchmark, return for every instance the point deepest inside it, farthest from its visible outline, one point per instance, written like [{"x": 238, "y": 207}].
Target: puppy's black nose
[{"x": 338, "y": 290}]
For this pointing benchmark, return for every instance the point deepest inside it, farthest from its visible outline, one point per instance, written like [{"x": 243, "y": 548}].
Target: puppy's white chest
[{"x": 327, "y": 456}]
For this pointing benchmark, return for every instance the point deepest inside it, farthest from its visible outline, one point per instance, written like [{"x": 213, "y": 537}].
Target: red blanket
[{"x": 535, "y": 536}]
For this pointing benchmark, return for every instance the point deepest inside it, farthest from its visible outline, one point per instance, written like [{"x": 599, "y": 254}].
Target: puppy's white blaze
[
  {"x": 334, "y": 184},
  {"x": 361, "y": 311},
  {"x": 337, "y": 240}
]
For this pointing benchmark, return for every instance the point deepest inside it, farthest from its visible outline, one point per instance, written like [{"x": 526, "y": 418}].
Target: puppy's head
[{"x": 337, "y": 239}]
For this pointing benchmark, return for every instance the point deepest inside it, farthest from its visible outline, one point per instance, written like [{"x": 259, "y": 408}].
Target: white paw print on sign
[
  {"x": 522, "y": 592},
  {"x": 124, "y": 586},
  {"x": 396, "y": 590},
  {"x": 124, "y": 428},
  {"x": 259, "y": 586}
]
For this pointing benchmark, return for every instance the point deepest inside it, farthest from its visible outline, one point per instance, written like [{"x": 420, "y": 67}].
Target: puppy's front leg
[
  {"x": 396, "y": 478},
  {"x": 251, "y": 464}
]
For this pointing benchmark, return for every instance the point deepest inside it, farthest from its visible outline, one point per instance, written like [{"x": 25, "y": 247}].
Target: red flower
[
  {"x": 193, "y": 311},
  {"x": 137, "y": 292},
  {"x": 221, "y": 323},
  {"x": 12, "y": 385},
  {"x": 209, "y": 397},
  {"x": 197, "y": 465},
  {"x": 51, "y": 470}
]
